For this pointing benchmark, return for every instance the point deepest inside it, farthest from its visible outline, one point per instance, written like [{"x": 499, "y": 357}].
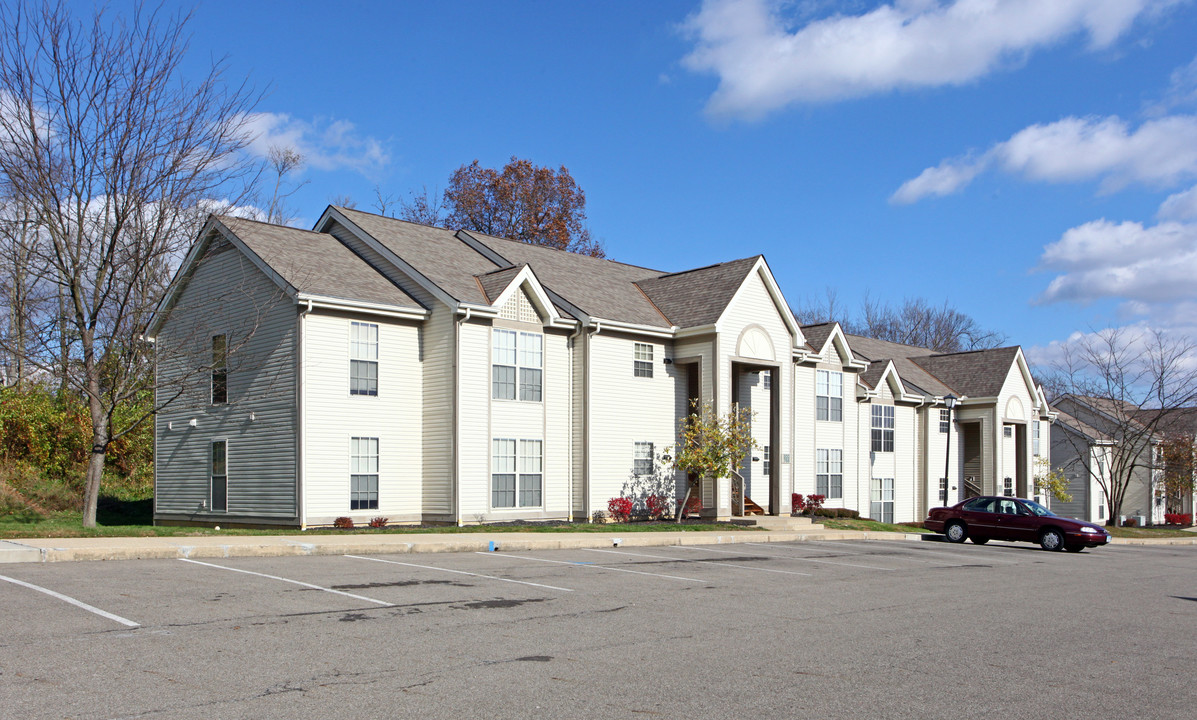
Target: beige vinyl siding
[
  {"x": 703, "y": 348},
  {"x": 1015, "y": 387},
  {"x": 475, "y": 429},
  {"x": 625, "y": 409},
  {"x": 557, "y": 432},
  {"x": 754, "y": 306},
  {"x": 260, "y": 324},
  {"x": 578, "y": 427},
  {"x": 755, "y": 397},
  {"x": 933, "y": 457},
  {"x": 805, "y": 439},
  {"x": 332, "y": 416}
]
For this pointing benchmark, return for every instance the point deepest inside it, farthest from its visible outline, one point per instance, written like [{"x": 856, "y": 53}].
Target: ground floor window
[
  {"x": 517, "y": 473},
  {"x": 642, "y": 458},
  {"x": 1008, "y": 487},
  {"x": 363, "y": 473},
  {"x": 219, "y": 487},
  {"x": 883, "y": 500},
  {"x": 829, "y": 473}
]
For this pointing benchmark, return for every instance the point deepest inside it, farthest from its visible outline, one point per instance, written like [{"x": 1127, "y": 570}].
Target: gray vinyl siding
[{"x": 228, "y": 295}]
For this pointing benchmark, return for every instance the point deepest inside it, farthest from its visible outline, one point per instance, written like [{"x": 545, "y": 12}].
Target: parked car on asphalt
[{"x": 986, "y": 518}]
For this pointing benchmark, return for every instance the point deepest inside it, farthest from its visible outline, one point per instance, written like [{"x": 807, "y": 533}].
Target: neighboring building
[
  {"x": 376, "y": 367},
  {"x": 1082, "y": 453}
]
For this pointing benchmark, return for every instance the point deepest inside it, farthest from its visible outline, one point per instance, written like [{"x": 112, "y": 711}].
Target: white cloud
[
  {"x": 763, "y": 66},
  {"x": 1180, "y": 206},
  {"x": 1182, "y": 90},
  {"x": 325, "y": 144},
  {"x": 1142, "y": 265},
  {"x": 1160, "y": 152}
]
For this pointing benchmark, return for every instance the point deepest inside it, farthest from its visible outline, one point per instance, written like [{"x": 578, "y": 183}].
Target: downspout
[
  {"x": 457, "y": 414},
  {"x": 572, "y": 344},
  {"x": 598, "y": 328},
  {"x": 300, "y": 425}
]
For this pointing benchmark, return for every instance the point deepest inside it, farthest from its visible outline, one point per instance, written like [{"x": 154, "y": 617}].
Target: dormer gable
[
  {"x": 835, "y": 349},
  {"x": 517, "y": 295}
]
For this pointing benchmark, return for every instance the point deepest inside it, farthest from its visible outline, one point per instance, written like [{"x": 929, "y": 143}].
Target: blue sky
[{"x": 1027, "y": 161}]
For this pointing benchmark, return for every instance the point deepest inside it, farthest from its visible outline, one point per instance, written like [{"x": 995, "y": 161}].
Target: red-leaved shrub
[
  {"x": 344, "y": 523},
  {"x": 379, "y": 522},
  {"x": 798, "y": 502},
  {"x": 814, "y": 502},
  {"x": 1178, "y": 518},
  {"x": 620, "y": 508},
  {"x": 657, "y": 506}
]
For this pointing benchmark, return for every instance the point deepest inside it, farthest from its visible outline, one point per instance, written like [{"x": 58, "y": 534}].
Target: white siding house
[{"x": 376, "y": 368}]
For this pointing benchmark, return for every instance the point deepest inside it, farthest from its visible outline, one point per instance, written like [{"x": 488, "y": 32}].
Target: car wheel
[
  {"x": 980, "y": 541},
  {"x": 1074, "y": 548},
  {"x": 955, "y": 532},
  {"x": 1051, "y": 539}
]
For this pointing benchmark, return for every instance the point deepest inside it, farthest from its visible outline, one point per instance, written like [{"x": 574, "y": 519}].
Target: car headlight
[{"x": 1088, "y": 529}]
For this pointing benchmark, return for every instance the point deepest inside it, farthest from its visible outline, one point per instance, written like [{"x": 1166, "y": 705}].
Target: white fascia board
[
  {"x": 669, "y": 332},
  {"x": 527, "y": 277},
  {"x": 966, "y": 400},
  {"x": 696, "y": 330},
  {"x": 780, "y": 304},
  {"x": 476, "y": 310},
  {"x": 332, "y": 214},
  {"x": 331, "y": 303}
]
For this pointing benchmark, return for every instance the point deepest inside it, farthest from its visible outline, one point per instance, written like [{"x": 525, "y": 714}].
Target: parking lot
[{"x": 884, "y": 629}]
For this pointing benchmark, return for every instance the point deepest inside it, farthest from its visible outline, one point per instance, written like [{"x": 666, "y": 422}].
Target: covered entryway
[
  {"x": 971, "y": 460},
  {"x": 758, "y": 490}
]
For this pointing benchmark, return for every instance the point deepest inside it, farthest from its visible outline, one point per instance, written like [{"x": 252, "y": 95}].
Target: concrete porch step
[{"x": 778, "y": 522}]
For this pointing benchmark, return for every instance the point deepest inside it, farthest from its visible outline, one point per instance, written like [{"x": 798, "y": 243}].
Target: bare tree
[
  {"x": 111, "y": 150},
  {"x": 1130, "y": 386},
  {"x": 283, "y": 161},
  {"x": 425, "y": 208},
  {"x": 816, "y": 310}
]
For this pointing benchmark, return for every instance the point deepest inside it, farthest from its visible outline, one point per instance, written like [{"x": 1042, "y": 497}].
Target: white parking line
[
  {"x": 293, "y": 582},
  {"x": 786, "y": 557},
  {"x": 459, "y": 572},
  {"x": 711, "y": 562},
  {"x": 588, "y": 565},
  {"x": 920, "y": 549},
  {"x": 72, "y": 601}
]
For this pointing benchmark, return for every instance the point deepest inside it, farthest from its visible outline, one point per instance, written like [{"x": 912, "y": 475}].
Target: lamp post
[{"x": 950, "y": 401}]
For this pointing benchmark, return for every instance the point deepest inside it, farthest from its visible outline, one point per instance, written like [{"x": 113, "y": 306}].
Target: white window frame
[
  {"x": 881, "y": 500},
  {"x": 642, "y": 360},
  {"x": 765, "y": 465},
  {"x": 1007, "y": 487},
  {"x": 829, "y": 387},
  {"x": 945, "y": 420},
  {"x": 829, "y": 473},
  {"x": 524, "y": 358},
  {"x": 363, "y": 354},
  {"x": 212, "y": 475},
  {"x": 370, "y": 473},
  {"x": 1035, "y": 430},
  {"x": 766, "y": 380},
  {"x": 882, "y": 420},
  {"x": 520, "y": 462},
  {"x": 1007, "y": 431},
  {"x": 643, "y": 462}
]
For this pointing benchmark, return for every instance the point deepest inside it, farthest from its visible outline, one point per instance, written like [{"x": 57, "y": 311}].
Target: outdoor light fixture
[
  {"x": 668, "y": 361},
  {"x": 950, "y": 401}
]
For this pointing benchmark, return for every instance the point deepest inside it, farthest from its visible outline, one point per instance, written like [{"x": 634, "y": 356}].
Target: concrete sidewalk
[{"x": 220, "y": 546}]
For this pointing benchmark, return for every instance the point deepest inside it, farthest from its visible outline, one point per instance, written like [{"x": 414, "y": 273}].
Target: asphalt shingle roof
[
  {"x": 816, "y": 335},
  {"x": 980, "y": 373},
  {"x": 496, "y": 281},
  {"x": 698, "y": 297},
  {"x": 317, "y": 263}
]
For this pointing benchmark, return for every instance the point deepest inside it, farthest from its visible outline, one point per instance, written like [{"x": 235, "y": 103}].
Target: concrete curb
[{"x": 214, "y": 547}]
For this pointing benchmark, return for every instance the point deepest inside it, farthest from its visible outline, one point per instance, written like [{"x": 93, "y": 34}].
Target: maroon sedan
[{"x": 1006, "y": 518}]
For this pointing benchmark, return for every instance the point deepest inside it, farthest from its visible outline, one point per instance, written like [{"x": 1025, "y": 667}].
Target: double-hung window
[
  {"x": 1008, "y": 487},
  {"x": 363, "y": 473},
  {"x": 642, "y": 459},
  {"x": 517, "y": 359},
  {"x": 517, "y": 479},
  {"x": 363, "y": 358},
  {"x": 765, "y": 459},
  {"x": 829, "y": 473},
  {"x": 642, "y": 363},
  {"x": 883, "y": 428},
  {"x": 220, "y": 369},
  {"x": 829, "y": 395},
  {"x": 945, "y": 420},
  {"x": 1035, "y": 437},
  {"x": 882, "y": 497},
  {"x": 219, "y": 474}
]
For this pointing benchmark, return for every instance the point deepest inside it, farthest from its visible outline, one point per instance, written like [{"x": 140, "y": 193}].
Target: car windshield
[{"x": 1038, "y": 509}]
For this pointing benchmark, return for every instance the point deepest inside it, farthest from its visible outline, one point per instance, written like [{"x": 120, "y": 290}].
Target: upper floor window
[
  {"x": 1035, "y": 437},
  {"x": 363, "y": 358},
  {"x": 517, "y": 359},
  {"x": 829, "y": 395},
  {"x": 883, "y": 428},
  {"x": 220, "y": 369},
  {"x": 829, "y": 473},
  {"x": 642, "y": 365},
  {"x": 642, "y": 459},
  {"x": 945, "y": 420},
  {"x": 1007, "y": 431}
]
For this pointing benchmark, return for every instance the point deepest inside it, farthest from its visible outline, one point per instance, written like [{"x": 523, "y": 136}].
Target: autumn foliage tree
[
  {"x": 711, "y": 444},
  {"x": 537, "y": 205}
]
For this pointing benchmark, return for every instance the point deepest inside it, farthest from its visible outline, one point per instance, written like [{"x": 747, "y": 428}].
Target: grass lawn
[
  {"x": 1149, "y": 532},
  {"x": 869, "y": 525},
  {"x": 116, "y": 518}
]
